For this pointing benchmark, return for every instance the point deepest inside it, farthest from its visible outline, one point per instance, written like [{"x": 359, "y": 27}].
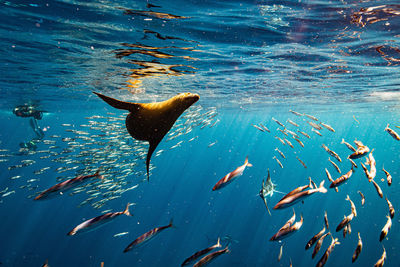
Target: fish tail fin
[
  {"x": 126, "y": 211},
  {"x": 218, "y": 243},
  {"x": 72, "y": 232},
  {"x": 387, "y": 126},
  {"x": 247, "y": 163},
  {"x": 117, "y": 103},
  {"x": 310, "y": 184},
  {"x": 171, "y": 223},
  {"x": 98, "y": 175},
  {"x": 347, "y": 198},
  {"x": 321, "y": 187},
  {"x": 342, "y": 141}
]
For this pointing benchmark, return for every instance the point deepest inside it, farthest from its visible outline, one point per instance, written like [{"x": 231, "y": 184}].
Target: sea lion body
[{"x": 152, "y": 121}]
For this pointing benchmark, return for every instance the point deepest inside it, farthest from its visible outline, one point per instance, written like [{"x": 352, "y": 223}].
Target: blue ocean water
[{"x": 250, "y": 61}]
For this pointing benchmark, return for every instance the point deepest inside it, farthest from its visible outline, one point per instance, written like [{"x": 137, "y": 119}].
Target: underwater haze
[{"x": 285, "y": 83}]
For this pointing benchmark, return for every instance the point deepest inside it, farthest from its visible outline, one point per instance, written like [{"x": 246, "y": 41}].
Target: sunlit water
[{"x": 249, "y": 62}]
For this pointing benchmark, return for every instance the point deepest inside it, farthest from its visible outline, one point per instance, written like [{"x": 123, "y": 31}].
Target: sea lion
[{"x": 152, "y": 121}]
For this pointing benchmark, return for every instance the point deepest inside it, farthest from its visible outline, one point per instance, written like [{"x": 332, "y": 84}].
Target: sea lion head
[{"x": 185, "y": 100}]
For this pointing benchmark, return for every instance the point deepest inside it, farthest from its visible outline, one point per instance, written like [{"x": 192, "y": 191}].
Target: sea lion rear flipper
[
  {"x": 153, "y": 145},
  {"x": 117, "y": 103}
]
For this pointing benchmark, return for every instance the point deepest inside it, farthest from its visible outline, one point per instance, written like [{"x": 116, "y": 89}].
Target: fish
[
  {"x": 332, "y": 153},
  {"x": 277, "y": 160},
  {"x": 280, "y": 152},
  {"x": 121, "y": 234},
  {"x": 296, "y": 113},
  {"x": 347, "y": 219},
  {"x": 293, "y": 134},
  {"x": 382, "y": 259},
  {"x": 360, "y": 151},
  {"x": 258, "y": 128},
  {"x": 378, "y": 189},
  {"x": 264, "y": 127},
  {"x": 292, "y": 199},
  {"x": 280, "y": 253},
  {"x": 345, "y": 230},
  {"x": 326, "y": 220},
  {"x": 348, "y": 145},
  {"x": 298, "y": 189},
  {"x": 353, "y": 207},
  {"x": 358, "y": 249},
  {"x": 62, "y": 187},
  {"x": 212, "y": 144},
  {"x": 285, "y": 232},
  {"x": 314, "y": 185},
  {"x": 46, "y": 263},
  {"x": 362, "y": 198},
  {"x": 315, "y": 238},
  {"x": 392, "y": 132},
  {"x": 316, "y": 131},
  {"x": 314, "y": 125},
  {"x": 288, "y": 142},
  {"x": 302, "y": 163},
  {"x": 147, "y": 236},
  {"x": 352, "y": 163},
  {"x": 201, "y": 253},
  {"x": 327, "y": 126},
  {"x": 280, "y": 140},
  {"x": 372, "y": 164},
  {"x": 391, "y": 208},
  {"x": 386, "y": 228},
  {"x": 278, "y": 122},
  {"x": 152, "y": 121},
  {"x": 305, "y": 134},
  {"x": 334, "y": 165},
  {"x": 98, "y": 221},
  {"x": 8, "y": 193},
  {"x": 283, "y": 131},
  {"x": 328, "y": 252},
  {"x": 230, "y": 176},
  {"x": 267, "y": 189},
  {"x": 319, "y": 245},
  {"x": 298, "y": 141},
  {"x": 310, "y": 117},
  {"x": 292, "y": 123},
  {"x": 330, "y": 179},
  {"x": 289, "y": 222},
  {"x": 208, "y": 258},
  {"x": 388, "y": 176}
]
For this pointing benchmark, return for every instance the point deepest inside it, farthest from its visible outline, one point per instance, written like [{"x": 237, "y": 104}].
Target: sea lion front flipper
[
  {"x": 117, "y": 103},
  {"x": 153, "y": 145}
]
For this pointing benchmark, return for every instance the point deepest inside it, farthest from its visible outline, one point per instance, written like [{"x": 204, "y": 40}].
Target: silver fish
[
  {"x": 98, "y": 221},
  {"x": 358, "y": 249},
  {"x": 328, "y": 252},
  {"x": 392, "y": 132},
  {"x": 147, "y": 236},
  {"x": 201, "y": 253}
]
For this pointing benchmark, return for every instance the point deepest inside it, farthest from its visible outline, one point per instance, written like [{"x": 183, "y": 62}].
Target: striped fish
[
  {"x": 98, "y": 221},
  {"x": 147, "y": 236},
  {"x": 58, "y": 189},
  {"x": 201, "y": 253}
]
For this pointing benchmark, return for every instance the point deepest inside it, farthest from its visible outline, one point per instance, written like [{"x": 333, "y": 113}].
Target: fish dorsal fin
[{"x": 118, "y": 103}]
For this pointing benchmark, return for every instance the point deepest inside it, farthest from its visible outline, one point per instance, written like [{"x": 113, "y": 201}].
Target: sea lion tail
[{"x": 117, "y": 103}]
